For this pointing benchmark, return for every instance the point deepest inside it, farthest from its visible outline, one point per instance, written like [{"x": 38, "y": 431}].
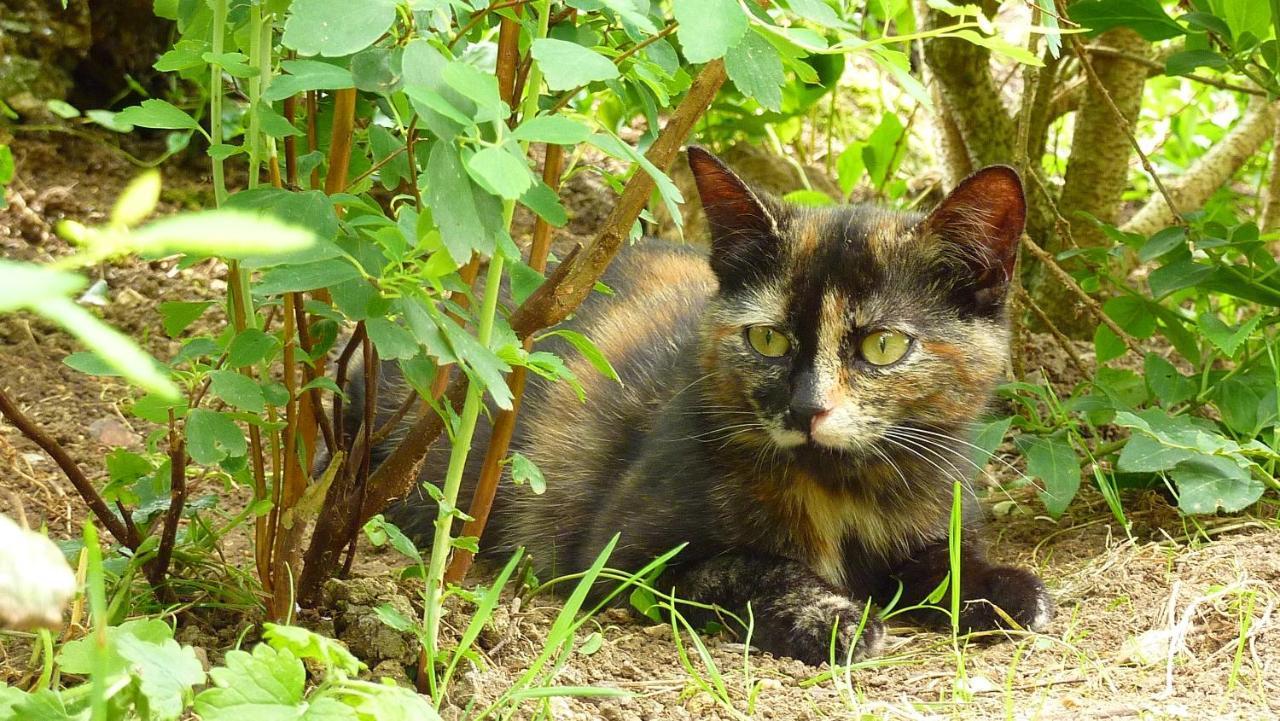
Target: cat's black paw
[
  {"x": 1017, "y": 592},
  {"x": 803, "y": 630}
]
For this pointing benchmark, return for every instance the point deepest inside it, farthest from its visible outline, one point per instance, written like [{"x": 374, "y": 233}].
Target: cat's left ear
[{"x": 984, "y": 216}]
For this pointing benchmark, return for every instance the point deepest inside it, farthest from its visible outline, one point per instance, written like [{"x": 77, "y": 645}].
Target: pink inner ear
[
  {"x": 989, "y": 209},
  {"x": 728, "y": 202}
]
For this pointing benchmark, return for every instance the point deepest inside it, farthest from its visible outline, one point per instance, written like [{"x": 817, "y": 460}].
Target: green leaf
[
  {"x": 1145, "y": 17},
  {"x": 6, "y": 166},
  {"x": 224, "y": 233},
  {"x": 1053, "y": 460},
  {"x": 1207, "y": 483},
  {"x": 1163, "y": 242},
  {"x": 334, "y": 28},
  {"x": 392, "y": 340},
  {"x": 1227, "y": 339},
  {"x": 444, "y": 110},
  {"x": 480, "y": 88},
  {"x": 555, "y": 129},
  {"x": 176, "y": 315},
  {"x": 524, "y": 280},
  {"x": 544, "y": 201},
  {"x": 307, "y": 75},
  {"x": 213, "y": 436},
  {"x": 588, "y": 350},
  {"x": 310, "y": 209},
  {"x": 156, "y": 113},
  {"x": 77, "y": 656},
  {"x": 392, "y": 703},
  {"x": 266, "y": 685},
  {"x": 309, "y": 276},
  {"x": 987, "y": 439},
  {"x": 377, "y": 70},
  {"x": 1107, "y": 346},
  {"x": 1245, "y": 16},
  {"x": 250, "y": 347},
  {"x": 1165, "y": 382},
  {"x": 567, "y": 65},
  {"x": 756, "y": 69},
  {"x": 304, "y": 643},
  {"x": 525, "y": 471},
  {"x": 22, "y": 285},
  {"x": 500, "y": 171},
  {"x": 116, "y": 349},
  {"x": 708, "y": 28},
  {"x": 168, "y": 672},
  {"x": 463, "y": 213},
  {"x": 137, "y": 201},
  {"x": 239, "y": 391},
  {"x": 1188, "y": 60},
  {"x": 1132, "y": 315},
  {"x": 482, "y": 364}
]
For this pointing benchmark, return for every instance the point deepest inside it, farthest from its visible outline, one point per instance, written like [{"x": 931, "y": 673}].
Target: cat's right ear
[{"x": 741, "y": 224}]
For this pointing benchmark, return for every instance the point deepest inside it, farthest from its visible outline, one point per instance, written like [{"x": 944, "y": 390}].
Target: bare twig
[
  {"x": 159, "y": 568},
  {"x": 1070, "y": 284},
  {"x": 69, "y": 468},
  {"x": 1063, "y": 341}
]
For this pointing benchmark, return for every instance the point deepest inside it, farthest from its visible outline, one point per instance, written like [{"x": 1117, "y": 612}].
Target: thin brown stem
[
  {"x": 344, "y": 361},
  {"x": 159, "y": 568},
  {"x": 69, "y": 467},
  {"x": 1070, "y": 284}
]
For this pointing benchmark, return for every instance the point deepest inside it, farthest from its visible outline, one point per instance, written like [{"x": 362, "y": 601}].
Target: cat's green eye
[
  {"x": 885, "y": 347},
  {"x": 768, "y": 341}
]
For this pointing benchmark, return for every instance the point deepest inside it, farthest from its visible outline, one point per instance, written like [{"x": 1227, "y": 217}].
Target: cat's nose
[{"x": 804, "y": 413}]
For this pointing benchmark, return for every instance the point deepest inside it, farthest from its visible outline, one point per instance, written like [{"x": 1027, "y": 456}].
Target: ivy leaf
[
  {"x": 213, "y": 436},
  {"x": 708, "y": 28},
  {"x": 168, "y": 672},
  {"x": 1207, "y": 483},
  {"x": 567, "y": 65},
  {"x": 156, "y": 113},
  {"x": 239, "y": 391},
  {"x": 1053, "y": 460},
  {"x": 175, "y": 315},
  {"x": 334, "y": 28},
  {"x": 756, "y": 69}
]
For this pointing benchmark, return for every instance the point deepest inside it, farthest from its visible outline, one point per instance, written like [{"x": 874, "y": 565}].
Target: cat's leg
[
  {"x": 794, "y": 611},
  {"x": 984, "y": 587}
]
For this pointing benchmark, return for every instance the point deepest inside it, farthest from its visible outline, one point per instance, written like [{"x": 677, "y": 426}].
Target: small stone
[{"x": 111, "y": 431}]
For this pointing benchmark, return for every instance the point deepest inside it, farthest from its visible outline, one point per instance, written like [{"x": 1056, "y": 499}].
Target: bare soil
[{"x": 1174, "y": 620}]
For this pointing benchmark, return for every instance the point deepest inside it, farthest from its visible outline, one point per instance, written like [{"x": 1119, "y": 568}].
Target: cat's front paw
[
  {"x": 803, "y": 630},
  {"x": 1018, "y": 593}
]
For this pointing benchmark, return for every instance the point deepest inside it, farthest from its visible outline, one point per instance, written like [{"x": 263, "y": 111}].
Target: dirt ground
[{"x": 1176, "y": 620}]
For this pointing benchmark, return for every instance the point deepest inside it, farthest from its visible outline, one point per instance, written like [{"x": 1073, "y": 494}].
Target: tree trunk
[{"x": 1098, "y": 167}]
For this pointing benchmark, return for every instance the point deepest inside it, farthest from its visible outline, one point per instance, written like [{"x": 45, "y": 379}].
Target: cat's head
[{"x": 841, "y": 328}]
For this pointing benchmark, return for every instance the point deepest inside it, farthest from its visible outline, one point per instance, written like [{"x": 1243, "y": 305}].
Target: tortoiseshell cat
[{"x": 795, "y": 408}]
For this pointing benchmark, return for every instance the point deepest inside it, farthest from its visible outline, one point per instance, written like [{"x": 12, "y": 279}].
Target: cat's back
[{"x": 646, "y": 325}]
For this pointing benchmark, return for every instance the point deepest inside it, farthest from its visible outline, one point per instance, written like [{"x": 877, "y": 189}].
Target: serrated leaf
[
  {"x": 567, "y": 65},
  {"x": 525, "y": 471},
  {"x": 1227, "y": 339},
  {"x": 168, "y": 672},
  {"x": 756, "y": 70},
  {"x": 461, "y": 211},
  {"x": 588, "y": 349},
  {"x": 334, "y": 28},
  {"x": 266, "y": 685},
  {"x": 305, "y": 643}
]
